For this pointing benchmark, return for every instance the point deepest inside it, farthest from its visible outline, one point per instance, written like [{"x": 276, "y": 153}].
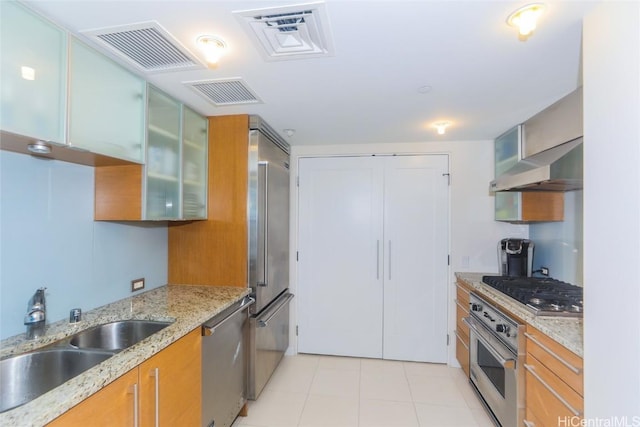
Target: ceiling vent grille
[
  {"x": 225, "y": 91},
  {"x": 291, "y": 32},
  {"x": 147, "y": 46}
]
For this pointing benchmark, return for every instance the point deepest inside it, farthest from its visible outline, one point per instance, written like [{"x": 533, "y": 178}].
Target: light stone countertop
[
  {"x": 187, "y": 306},
  {"x": 565, "y": 330}
]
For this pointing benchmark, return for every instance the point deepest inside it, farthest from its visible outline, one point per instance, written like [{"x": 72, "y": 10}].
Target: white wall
[
  {"x": 48, "y": 238},
  {"x": 474, "y": 234},
  {"x": 611, "y": 70}
]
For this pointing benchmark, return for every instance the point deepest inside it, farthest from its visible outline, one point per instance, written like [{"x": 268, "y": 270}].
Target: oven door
[{"x": 493, "y": 372}]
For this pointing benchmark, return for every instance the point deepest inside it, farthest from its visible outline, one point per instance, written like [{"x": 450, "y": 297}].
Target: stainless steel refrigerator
[{"x": 268, "y": 211}]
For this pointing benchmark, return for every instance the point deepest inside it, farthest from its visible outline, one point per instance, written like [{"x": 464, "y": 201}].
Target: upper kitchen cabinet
[
  {"x": 172, "y": 183},
  {"x": 106, "y": 105},
  {"x": 34, "y": 83},
  {"x": 522, "y": 207}
]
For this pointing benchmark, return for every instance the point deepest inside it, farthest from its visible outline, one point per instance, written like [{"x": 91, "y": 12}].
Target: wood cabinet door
[
  {"x": 114, "y": 405},
  {"x": 170, "y": 385}
]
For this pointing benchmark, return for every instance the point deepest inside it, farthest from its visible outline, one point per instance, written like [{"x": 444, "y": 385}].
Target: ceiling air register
[{"x": 292, "y": 32}]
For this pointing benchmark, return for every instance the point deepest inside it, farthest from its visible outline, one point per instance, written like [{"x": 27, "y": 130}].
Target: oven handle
[
  {"x": 531, "y": 370},
  {"x": 506, "y": 363}
]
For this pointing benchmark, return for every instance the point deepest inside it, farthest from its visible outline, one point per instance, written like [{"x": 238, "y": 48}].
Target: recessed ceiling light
[
  {"x": 526, "y": 19},
  {"x": 442, "y": 126},
  {"x": 424, "y": 89},
  {"x": 213, "y": 48},
  {"x": 289, "y": 132}
]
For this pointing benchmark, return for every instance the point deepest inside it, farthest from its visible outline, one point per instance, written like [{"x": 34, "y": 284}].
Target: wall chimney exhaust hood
[{"x": 551, "y": 150}]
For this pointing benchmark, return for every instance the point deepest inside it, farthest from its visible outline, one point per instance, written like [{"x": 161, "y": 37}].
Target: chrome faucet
[{"x": 36, "y": 316}]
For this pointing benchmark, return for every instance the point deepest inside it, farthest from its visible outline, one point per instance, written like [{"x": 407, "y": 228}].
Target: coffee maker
[{"x": 515, "y": 257}]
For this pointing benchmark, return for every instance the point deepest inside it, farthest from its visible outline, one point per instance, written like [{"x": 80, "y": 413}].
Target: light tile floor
[{"x": 327, "y": 391}]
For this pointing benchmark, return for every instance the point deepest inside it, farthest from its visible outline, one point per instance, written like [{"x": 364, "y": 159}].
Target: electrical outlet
[
  {"x": 544, "y": 271},
  {"x": 137, "y": 284}
]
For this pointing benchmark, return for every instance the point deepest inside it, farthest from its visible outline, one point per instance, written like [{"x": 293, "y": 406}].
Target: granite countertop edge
[
  {"x": 567, "y": 331},
  {"x": 186, "y": 306}
]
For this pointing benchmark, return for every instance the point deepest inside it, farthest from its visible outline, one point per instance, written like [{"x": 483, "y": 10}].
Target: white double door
[{"x": 373, "y": 257}]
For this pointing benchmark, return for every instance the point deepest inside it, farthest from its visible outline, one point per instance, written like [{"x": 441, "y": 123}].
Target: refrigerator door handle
[
  {"x": 264, "y": 323},
  {"x": 263, "y": 220}
]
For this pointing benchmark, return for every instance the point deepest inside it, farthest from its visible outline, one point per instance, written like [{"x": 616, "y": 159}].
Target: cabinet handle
[
  {"x": 548, "y": 350},
  {"x": 531, "y": 370},
  {"x": 389, "y": 259},
  {"x": 461, "y": 340},
  {"x": 263, "y": 220},
  {"x": 134, "y": 390},
  {"x": 528, "y": 423},
  {"x": 377, "y": 259},
  {"x": 155, "y": 373},
  {"x": 465, "y": 309}
]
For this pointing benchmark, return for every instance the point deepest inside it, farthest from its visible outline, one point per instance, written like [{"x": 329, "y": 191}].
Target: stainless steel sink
[
  {"x": 27, "y": 376},
  {"x": 116, "y": 336}
]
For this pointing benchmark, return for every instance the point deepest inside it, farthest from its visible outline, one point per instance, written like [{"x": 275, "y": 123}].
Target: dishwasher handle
[{"x": 209, "y": 329}]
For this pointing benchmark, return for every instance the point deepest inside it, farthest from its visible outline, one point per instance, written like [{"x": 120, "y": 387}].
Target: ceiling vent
[
  {"x": 225, "y": 91},
  {"x": 147, "y": 46},
  {"x": 291, "y": 32}
]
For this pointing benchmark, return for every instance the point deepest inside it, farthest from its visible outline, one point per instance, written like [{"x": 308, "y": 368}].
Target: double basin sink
[{"x": 27, "y": 376}]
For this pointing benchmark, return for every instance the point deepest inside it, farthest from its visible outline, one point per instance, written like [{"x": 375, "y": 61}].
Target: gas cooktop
[{"x": 541, "y": 296}]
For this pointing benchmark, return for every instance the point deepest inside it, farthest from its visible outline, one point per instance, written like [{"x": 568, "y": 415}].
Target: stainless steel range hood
[
  {"x": 556, "y": 169},
  {"x": 551, "y": 150}
]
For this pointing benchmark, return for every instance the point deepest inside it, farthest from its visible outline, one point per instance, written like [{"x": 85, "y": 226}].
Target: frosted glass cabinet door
[
  {"x": 163, "y": 156},
  {"x": 33, "y": 73},
  {"x": 508, "y": 206},
  {"x": 507, "y": 150},
  {"x": 194, "y": 165},
  {"x": 107, "y": 105}
]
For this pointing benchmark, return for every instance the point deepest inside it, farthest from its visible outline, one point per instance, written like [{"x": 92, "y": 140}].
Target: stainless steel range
[
  {"x": 541, "y": 296},
  {"x": 496, "y": 361}
]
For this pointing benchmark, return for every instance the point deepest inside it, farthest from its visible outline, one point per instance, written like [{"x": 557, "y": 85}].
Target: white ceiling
[{"x": 482, "y": 77}]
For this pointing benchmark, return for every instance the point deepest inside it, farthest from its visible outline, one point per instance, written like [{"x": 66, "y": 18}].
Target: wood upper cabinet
[
  {"x": 167, "y": 386},
  {"x": 114, "y": 405},
  {"x": 214, "y": 252},
  {"x": 462, "y": 330},
  {"x": 170, "y": 385},
  {"x": 554, "y": 382}
]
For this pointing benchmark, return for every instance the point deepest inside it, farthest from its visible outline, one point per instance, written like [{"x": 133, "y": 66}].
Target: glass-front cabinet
[
  {"x": 194, "y": 165},
  {"x": 106, "y": 105},
  {"x": 163, "y": 153},
  {"x": 176, "y": 167},
  {"x": 508, "y": 150},
  {"x": 34, "y": 74}
]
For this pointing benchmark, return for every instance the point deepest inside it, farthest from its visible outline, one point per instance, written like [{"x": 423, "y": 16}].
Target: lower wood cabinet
[
  {"x": 165, "y": 390},
  {"x": 462, "y": 330},
  {"x": 554, "y": 383}
]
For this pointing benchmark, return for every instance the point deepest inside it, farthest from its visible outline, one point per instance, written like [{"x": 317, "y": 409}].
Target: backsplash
[
  {"x": 48, "y": 238},
  {"x": 559, "y": 245}
]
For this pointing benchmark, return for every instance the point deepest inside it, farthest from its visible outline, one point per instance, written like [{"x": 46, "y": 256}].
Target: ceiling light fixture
[
  {"x": 39, "y": 147},
  {"x": 441, "y": 127},
  {"x": 526, "y": 19},
  {"x": 213, "y": 48},
  {"x": 289, "y": 132}
]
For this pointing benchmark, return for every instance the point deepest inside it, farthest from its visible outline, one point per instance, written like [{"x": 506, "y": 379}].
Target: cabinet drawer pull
[
  {"x": 156, "y": 375},
  {"x": 134, "y": 388},
  {"x": 531, "y": 370},
  {"x": 465, "y": 309},
  {"x": 573, "y": 369},
  {"x": 529, "y": 423},
  {"x": 461, "y": 340}
]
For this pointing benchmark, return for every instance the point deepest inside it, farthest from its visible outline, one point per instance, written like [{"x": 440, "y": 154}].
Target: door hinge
[
  {"x": 448, "y": 259},
  {"x": 298, "y": 181},
  {"x": 297, "y": 256},
  {"x": 447, "y": 339},
  {"x": 296, "y": 330}
]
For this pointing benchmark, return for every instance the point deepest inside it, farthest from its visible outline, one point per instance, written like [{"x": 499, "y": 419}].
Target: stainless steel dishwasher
[{"x": 224, "y": 365}]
